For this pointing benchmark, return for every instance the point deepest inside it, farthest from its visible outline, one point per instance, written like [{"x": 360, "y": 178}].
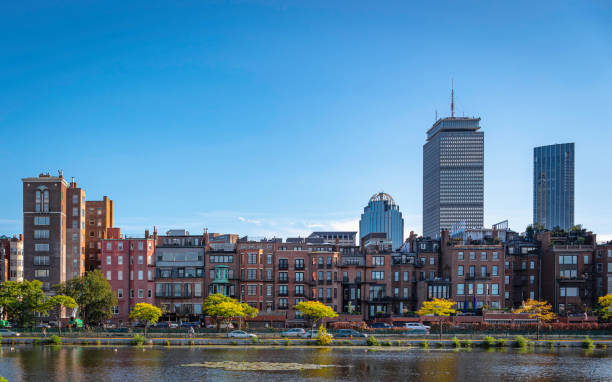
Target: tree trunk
[
  {"x": 440, "y": 327},
  {"x": 59, "y": 323}
]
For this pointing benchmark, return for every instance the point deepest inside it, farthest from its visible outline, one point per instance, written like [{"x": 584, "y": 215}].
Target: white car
[
  {"x": 416, "y": 325},
  {"x": 295, "y": 332},
  {"x": 8, "y": 333},
  {"x": 240, "y": 334}
]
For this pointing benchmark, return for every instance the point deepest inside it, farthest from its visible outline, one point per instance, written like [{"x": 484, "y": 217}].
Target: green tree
[
  {"x": 209, "y": 306},
  {"x": 316, "y": 311},
  {"x": 58, "y": 302},
  {"x": 93, "y": 295},
  {"x": 146, "y": 312},
  {"x": 439, "y": 307},
  {"x": 22, "y": 300},
  {"x": 540, "y": 310},
  {"x": 605, "y": 306}
]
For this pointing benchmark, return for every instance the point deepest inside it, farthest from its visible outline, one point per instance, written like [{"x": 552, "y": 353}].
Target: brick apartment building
[
  {"x": 603, "y": 269},
  {"x": 98, "y": 218},
  {"x": 476, "y": 271},
  {"x": 75, "y": 231},
  {"x": 129, "y": 266},
  {"x": 568, "y": 274}
]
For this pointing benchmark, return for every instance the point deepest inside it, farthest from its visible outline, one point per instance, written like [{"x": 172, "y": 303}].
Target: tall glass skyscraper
[
  {"x": 553, "y": 186},
  {"x": 383, "y": 215},
  {"x": 453, "y": 175}
]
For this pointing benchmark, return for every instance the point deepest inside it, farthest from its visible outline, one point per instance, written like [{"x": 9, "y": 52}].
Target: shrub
[
  {"x": 398, "y": 343},
  {"x": 466, "y": 343},
  {"x": 489, "y": 342},
  {"x": 54, "y": 340},
  {"x": 98, "y": 342},
  {"x": 372, "y": 341},
  {"x": 350, "y": 343},
  {"x": 550, "y": 344},
  {"x": 254, "y": 340},
  {"x": 387, "y": 343},
  {"x": 191, "y": 342},
  {"x": 456, "y": 342},
  {"x": 234, "y": 343},
  {"x": 520, "y": 342},
  {"x": 588, "y": 343},
  {"x": 324, "y": 337},
  {"x": 138, "y": 340},
  {"x": 602, "y": 346},
  {"x": 37, "y": 341},
  {"x": 2, "y": 379},
  {"x": 167, "y": 343},
  {"x": 500, "y": 343},
  {"x": 424, "y": 344},
  {"x": 287, "y": 341}
]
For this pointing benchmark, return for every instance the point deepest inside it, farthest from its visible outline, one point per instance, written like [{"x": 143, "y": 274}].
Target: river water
[{"x": 91, "y": 363}]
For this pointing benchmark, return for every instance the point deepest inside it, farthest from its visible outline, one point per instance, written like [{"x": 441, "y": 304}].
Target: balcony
[
  {"x": 486, "y": 276},
  {"x": 299, "y": 294},
  {"x": 283, "y": 266},
  {"x": 282, "y": 307},
  {"x": 283, "y": 294},
  {"x": 329, "y": 266},
  {"x": 299, "y": 267},
  {"x": 329, "y": 299},
  {"x": 328, "y": 282},
  {"x": 283, "y": 279},
  {"x": 299, "y": 281}
]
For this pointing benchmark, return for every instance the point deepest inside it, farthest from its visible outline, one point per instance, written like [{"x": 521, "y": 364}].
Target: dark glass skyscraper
[
  {"x": 553, "y": 186},
  {"x": 383, "y": 215},
  {"x": 453, "y": 175}
]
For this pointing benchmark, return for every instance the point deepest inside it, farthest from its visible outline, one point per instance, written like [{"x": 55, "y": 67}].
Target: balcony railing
[
  {"x": 299, "y": 294},
  {"x": 486, "y": 276},
  {"x": 283, "y": 294},
  {"x": 282, "y": 307},
  {"x": 299, "y": 266},
  {"x": 283, "y": 266}
]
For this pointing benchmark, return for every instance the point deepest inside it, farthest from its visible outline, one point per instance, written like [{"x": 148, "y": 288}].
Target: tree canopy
[
  {"x": 93, "y": 295},
  {"x": 540, "y": 310},
  {"x": 145, "y": 312},
  {"x": 605, "y": 303},
  {"x": 437, "y": 307},
  {"x": 316, "y": 310},
  {"x": 22, "y": 300},
  {"x": 224, "y": 308}
]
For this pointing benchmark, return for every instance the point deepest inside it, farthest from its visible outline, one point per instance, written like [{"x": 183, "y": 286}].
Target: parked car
[
  {"x": 348, "y": 333},
  {"x": 416, "y": 325},
  {"x": 310, "y": 334},
  {"x": 222, "y": 326},
  {"x": 119, "y": 330},
  {"x": 195, "y": 324},
  {"x": 380, "y": 325},
  {"x": 240, "y": 334},
  {"x": 295, "y": 332},
  {"x": 8, "y": 333},
  {"x": 43, "y": 325},
  {"x": 416, "y": 332}
]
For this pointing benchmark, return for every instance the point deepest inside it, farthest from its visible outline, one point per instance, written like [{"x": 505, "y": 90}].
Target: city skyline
[{"x": 282, "y": 134}]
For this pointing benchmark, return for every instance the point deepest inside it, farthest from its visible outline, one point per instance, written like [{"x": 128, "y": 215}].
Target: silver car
[
  {"x": 295, "y": 332},
  {"x": 8, "y": 333},
  {"x": 240, "y": 334}
]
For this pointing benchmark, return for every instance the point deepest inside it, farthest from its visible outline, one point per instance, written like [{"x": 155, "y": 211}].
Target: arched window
[
  {"x": 38, "y": 201},
  {"x": 46, "y": 201}
]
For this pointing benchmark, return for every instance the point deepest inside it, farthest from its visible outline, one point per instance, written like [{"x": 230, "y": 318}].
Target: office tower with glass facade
[
  {"x": 383, "y": 215},
  {"x": 553, "y": 186},
  {"x": 453, "y": 175}
]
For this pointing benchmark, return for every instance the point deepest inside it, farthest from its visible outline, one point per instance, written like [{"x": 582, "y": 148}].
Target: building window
[
  {"x": 252, "y": 274},
  {"x": 378, "y": 260},
  {"x": 119, "y": 260},
  {"x": 252, "y": 258},
  {"x": 494, "y": 270},
  {"x": 108, "y": 260},
  {"x": 41, "y": 247},
  {"x": 506, "y": 280},
  {"x": 378, "y": 275},
  {"x": 495, "y": 289},
  {"x": 405, "y": 275},
  {"x": 115, "y": 310},
  {"x": 252, "y": 290},
  {"x": 41, "y": 260},
  {"x": 532, "y": 265},
  {"x": 531, "y": 279},
  {"x": 460, "y": 256},
  {"x": 460, "y": 289},
  {"x": 119, "y": 293},
  {"x": 495, "y": 256},
  {"x": 483, "y": 256},
  {"x": 479, "y": 288},
  {"x": 109, "y": 246},
  {"x": 472, "y": 256},
  {"x": 140, "y": 259},
  {"x": 41, "y": 273},
  {"x": 532, "y": 295},
  {"x": 405, "y": 292},
  {"x": 140, "y": 294},
  {"x": 120, "y": 246},
  {"x": 41, "y": 220},
  {"x": 119, "y": 275},
  {"x": 108, "y": 275},
  {"x": 507, "y": 295},
  {"x": 460, "y": 270},
  {"x": 586, "y": 259}
]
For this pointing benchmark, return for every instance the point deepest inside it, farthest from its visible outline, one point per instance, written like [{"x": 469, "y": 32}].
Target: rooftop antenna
[
  {"x": 436, "y": 114},
  {"x": 452, "y": 98}
]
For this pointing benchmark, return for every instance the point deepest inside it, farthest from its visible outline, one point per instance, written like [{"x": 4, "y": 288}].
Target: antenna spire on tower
[{"x": 452, "y": 98}]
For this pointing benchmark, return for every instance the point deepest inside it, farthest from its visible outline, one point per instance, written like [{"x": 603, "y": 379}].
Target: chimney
[{"x": 146, "y": 233}]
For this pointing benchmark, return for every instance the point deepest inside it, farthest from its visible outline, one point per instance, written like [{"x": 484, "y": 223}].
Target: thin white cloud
[{"x": 252, "y": 221}]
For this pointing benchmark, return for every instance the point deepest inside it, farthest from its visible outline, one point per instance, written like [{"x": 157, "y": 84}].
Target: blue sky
[{"x": 280, "y": 118}]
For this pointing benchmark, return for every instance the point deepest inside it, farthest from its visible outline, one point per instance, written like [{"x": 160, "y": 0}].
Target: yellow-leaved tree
[
  {"x": 224, "y": 309},
  {"x": 147, "y": 313},
  {"x": 316, "y": 311},
  {"x": 540, "y": 310},
  {"x": 605, "y": 306},
  {"x": 439, "y": 307}
]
